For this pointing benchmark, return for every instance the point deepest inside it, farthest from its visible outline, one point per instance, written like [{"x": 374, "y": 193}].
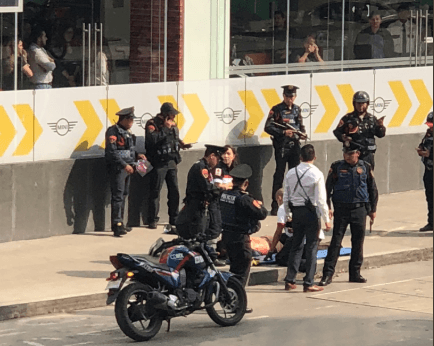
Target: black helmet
[
  {"x": 429, "y": 118},
  {"x": 361, "y": 97}
]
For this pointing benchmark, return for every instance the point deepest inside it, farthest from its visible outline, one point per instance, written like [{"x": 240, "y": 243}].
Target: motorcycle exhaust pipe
[{"x": 158, "y": 300}]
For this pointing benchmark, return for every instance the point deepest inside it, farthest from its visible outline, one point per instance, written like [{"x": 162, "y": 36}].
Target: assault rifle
[{"x": 292, "y": 128}]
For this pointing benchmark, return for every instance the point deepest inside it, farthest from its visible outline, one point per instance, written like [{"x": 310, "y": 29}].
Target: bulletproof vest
[
  {"x": 352, "y": 184},
  {"x": 169, "y": 150},
  {"x": 232, "y": 217},
  {"x": 292, "y": 116},
  {"x": 366, "y": 135},
  {"x": 126, "y": 146},
  {"x": 428, "y": 145}
]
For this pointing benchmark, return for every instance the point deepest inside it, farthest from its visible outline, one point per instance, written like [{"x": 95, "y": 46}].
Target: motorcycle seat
[{"x": 154, "y": 264}]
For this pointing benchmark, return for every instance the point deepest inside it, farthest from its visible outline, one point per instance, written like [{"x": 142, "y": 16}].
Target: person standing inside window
[
  {"x": 374, "y": 42},
  {"x": 41, "y": 63}
]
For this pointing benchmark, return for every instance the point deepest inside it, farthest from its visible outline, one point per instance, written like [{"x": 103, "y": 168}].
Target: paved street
[{"x": 394, "y": 308}]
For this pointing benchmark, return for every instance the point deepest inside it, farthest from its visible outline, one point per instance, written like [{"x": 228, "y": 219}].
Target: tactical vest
[
  {"x": 292, "y": 116},
  {"x": 366, "y": 134},
  {"x": 232, "y": 218},
  {"x": 352, "y": 184},
  {"x": 428, "y": 145},
  {"x": 127, "y": 151},
  {"x": 169, "y": 150}
]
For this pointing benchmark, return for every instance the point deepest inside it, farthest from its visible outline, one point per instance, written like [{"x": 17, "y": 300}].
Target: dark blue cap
[
  {"x": 126, "y": 112},
  {"x": 168, "y": 109},
  {"x": 290, "y": 90},
  {"x": 241, "y": 172}
]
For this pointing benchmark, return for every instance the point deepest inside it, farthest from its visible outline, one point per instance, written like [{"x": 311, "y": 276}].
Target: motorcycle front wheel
[
  {"x": 132, "y": 315},
  {"x": 228, "y": 313}
]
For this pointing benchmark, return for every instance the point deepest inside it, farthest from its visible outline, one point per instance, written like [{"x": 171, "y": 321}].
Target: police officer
[
  {"x": 241, "y": 214},
  {"x": 200, "y": 194},
  {"x": 351, "y": 185},
  {"x": 425, "y": 150},
  {"x": 162, "y": 146},
  {"x": 120, "y": 154},
  {"x": 361, "y": 127},
  {"x": 286, "y": 143}
]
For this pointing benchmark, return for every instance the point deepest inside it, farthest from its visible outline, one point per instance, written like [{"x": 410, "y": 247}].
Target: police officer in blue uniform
[
  {"x": 425, "y": 151},
  {"x": 286, "y": 143},
  {"x": 162, "y": 146},
  {"x": 241, "y": 214},
  {"x": 200, "y": 194},
  {"x": 120, "y": 154},
  {"x": 351, "y": 185},
  {"x": 361, "y": 127}
]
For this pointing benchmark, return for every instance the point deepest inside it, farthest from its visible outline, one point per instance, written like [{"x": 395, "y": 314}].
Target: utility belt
[
  {"x": 125, "y": 154},
  {"x": 237, "y": 230},
  {"x": 350, "y": 206}
]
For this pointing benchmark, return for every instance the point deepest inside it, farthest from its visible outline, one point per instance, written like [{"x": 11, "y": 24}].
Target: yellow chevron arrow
[
  {"x": 180, "y": 119},
  {"x": 93, "y": 123},
  {"x": 111, "y": 107},
  {"x": 7, "y": 131},
  {"x": 425, "y": 101},
  {"x": 200, "y": 117},
  {"x": 347, "y": 93},
  {"x": 404, "y": 102},
  {"x": 331, "y": 107},
  {"x": 255, "y": 111},
  {"x": 33, "y": 130},
  {"x": 272, "y": 98}
]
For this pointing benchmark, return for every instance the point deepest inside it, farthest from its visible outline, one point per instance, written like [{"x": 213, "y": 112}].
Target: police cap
[
  {"x": 351, "y": 147},
  {"x": 126, "y": 113},
  {"x": 241, "y": 172},
  {"x": 429, "y": 119},
  {"x": 168, "y": 109},
  {"x": 290, "y": 90},
  {"x": 215, "y": 149}
]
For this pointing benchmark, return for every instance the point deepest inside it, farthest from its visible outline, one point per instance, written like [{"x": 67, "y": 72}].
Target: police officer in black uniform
[
  {"x": 162, "y": 146},
  {"x": 120, "y": 154},
  {"x": 351, "y": 185},
  {"x": 241, "y": 214},
  {"x": 425, "y": 150},
  {"x": 361, "y": 127},
  {"x": 286, "y": 143},
  {"x": 201, "y": 193}
]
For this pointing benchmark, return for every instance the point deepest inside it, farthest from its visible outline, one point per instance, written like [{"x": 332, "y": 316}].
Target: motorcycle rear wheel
[
  {"x": 131, "y": 313},
  {"x": 230, "y": 313}
]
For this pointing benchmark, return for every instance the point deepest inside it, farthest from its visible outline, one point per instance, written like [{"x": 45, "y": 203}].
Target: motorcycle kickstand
[{"x": 168, "y": 325}]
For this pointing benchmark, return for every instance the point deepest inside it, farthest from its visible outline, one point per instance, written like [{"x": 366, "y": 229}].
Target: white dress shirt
[
  {"x": 313, "y": 183},
  {"x": 41, "y": 65}
]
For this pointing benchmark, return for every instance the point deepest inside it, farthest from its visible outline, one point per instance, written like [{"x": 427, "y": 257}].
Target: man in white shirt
[
  {"x": 40, "y": 62},
  {"x": 403, "y": 32},
  {"x": 305, "y": 195}
]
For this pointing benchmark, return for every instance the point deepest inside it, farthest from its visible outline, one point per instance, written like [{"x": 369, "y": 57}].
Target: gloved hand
[{"x": 269, "y": 256}]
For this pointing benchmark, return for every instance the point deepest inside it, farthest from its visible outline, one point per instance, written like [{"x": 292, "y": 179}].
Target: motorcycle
[{"x": 147, "y": 293}]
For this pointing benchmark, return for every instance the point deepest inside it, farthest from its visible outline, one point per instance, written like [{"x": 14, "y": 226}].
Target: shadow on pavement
[{"x": 86, "y": 274}]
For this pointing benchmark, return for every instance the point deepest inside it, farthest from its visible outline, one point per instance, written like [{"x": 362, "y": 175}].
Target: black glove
[{"x": 269, "y": 256}]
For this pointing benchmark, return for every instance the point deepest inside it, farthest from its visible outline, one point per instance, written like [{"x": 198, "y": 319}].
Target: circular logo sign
[
  {"x": 62, "y": 127},
  {"x": 379, "y": 105},
  {"x": 305, "y": 109},
  {"x": 228, "y": 116},
  {"x": 144, "y": 119}
]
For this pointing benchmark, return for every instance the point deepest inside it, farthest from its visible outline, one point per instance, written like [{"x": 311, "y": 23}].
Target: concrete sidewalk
[{"x": 68, "y": 273}]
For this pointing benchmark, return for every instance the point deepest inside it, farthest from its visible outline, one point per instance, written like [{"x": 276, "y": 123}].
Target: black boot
[
  {"x": 325, "y": 281},
  {"x": 118, "y": 230},
  {"x": 427, "y": 228}
]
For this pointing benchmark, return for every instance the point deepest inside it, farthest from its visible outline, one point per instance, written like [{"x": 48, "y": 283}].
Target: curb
[{"x": 259, "y": 276}]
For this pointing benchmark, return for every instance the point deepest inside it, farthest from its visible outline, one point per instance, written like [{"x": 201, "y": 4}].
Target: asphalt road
[{"x": 394, "y": 308}]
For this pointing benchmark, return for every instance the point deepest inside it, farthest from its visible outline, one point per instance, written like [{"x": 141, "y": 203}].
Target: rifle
[{"x": 292, "y": 128}]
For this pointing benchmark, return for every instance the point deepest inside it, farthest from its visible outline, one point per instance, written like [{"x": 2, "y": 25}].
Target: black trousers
[
  {"x": 369, "y": 158},
  {"x": 284, "y": 157},
  {"x": 119, "y": 185},
  {"x": 214, "y": 222},
  {"x": 159, "y": 175},
  {"x": 343, "y": 217},
  {"x": 239, "y": 249},
  {"x": 191, "y": 220},
  {"x": 428, "y": 182},
  {"x": 306, "y": 225}
]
